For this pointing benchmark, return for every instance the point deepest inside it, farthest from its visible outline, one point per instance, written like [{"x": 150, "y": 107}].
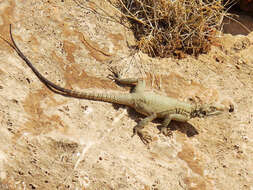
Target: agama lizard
[{"x": 150, "y": 104}]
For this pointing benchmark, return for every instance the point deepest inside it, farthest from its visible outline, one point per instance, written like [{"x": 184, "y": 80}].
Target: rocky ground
[{"x": 49, "y": 141}]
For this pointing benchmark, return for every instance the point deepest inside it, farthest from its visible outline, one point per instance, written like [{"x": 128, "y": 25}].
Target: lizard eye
[
  {"x": 231, "y": 108},
  {"x": 204, "y": 112}
]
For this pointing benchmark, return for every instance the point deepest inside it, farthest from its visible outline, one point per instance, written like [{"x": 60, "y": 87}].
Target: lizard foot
[
  {"x": 144, "y": 136},
  {"x": 166, "y": 132},
  {"x": 115, "y": 74}
]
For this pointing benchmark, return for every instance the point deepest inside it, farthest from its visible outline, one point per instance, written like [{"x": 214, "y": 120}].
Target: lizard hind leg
[
  {"x": 140, "y": 87},
  {"x": 139, "y": 83},
  {"x": 144, "y": 136}
]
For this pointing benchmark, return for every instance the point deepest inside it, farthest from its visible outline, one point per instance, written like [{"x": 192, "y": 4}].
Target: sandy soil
[{"x": 49, "y": 141}]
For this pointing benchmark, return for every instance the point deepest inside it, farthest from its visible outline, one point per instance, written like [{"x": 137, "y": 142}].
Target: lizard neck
[
  {"x": 196, "y": 111},
  {"x": 204, "y": 111}
]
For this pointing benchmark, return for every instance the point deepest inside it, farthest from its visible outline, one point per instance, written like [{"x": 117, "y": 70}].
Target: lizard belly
[
  {"x": 149, "y": 103},
  {"x": 144, "y": 109},
  {"x": 149, "y": 107}
]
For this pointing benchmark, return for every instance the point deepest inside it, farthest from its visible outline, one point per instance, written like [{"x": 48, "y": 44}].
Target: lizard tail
[
  {"x": 124, "y": 99},
  {"x": 111, "y": 97}
]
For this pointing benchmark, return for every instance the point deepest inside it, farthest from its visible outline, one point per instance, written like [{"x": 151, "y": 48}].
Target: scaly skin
[{"x": 149, "y": 104}]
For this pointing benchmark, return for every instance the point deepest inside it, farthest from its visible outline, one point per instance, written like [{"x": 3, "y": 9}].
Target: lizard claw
[
  {"x": 111, "y": 77},
  {"x": 144, "y": 136},
  {"x": 166, "y": 131},
  {"x": 115, "y": 73}
]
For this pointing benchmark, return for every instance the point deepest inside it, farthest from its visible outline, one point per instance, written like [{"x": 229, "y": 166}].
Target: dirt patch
[{"x": 50, "y": 141}]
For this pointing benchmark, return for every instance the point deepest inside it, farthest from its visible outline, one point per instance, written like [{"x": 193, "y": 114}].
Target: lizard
[{"x": 150, "y": 104}]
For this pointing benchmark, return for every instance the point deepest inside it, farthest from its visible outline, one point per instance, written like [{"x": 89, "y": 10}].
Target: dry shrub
[{"x": 166, "y": 28}]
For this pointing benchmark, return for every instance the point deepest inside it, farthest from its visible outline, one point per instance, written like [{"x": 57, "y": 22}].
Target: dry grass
[{"x": 165, "y": 28}]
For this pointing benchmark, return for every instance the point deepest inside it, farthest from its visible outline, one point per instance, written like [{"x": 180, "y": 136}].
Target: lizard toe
[
  {"x": 145, "y": 137},
  {"x": 166, "y": 131}
]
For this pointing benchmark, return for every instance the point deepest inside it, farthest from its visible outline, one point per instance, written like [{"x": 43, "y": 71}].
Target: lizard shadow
[{"x": 183, "y": 127}]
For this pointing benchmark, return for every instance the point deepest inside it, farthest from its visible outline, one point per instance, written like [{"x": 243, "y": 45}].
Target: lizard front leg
[
  {"x": 164, "y": 127},
  {"x": 138, "y": 129}
]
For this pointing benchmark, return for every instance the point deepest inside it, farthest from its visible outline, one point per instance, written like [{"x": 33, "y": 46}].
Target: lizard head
[{"x": 209, "y": 110}]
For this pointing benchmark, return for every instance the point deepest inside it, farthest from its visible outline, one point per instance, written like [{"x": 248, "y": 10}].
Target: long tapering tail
[{"x": 119, "y": 98}]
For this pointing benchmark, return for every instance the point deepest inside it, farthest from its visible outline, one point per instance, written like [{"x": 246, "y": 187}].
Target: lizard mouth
[{"x": 214, "y": 113}]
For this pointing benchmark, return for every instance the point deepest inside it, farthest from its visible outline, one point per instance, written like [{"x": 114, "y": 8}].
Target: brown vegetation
[{"x": 166, "y": 28}]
